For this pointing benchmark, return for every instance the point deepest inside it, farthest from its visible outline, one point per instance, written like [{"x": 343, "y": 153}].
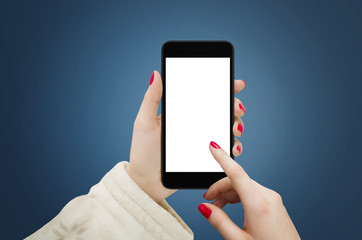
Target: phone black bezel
[{"x": 193, "y": 180}]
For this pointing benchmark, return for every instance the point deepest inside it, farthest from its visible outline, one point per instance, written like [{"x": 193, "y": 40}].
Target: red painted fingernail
[
  {"x": 240, "y": 128},
  {"x": 241, "y": 107},
  {"x": 204, "y": 194},
  {"x": 214, "y": 145},
  {"x": 238, "y": 148},
  {"x": 243, "y": 82},
  {"x": 152, "y": 77},
  {"x": 205, "y": 210}
]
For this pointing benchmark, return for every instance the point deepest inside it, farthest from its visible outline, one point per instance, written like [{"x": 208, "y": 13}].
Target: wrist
[{"x": 145, "y": 185}]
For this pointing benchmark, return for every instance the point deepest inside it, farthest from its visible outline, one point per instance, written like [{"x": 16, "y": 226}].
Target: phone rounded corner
[
  {"x": 164, "y": 183},
  {"x": 165, "y": 44},
  {"x": 231, "y": 46}
]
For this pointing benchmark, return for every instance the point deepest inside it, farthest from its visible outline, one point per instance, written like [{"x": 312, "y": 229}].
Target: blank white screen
[{"x": 197, "y": 112}]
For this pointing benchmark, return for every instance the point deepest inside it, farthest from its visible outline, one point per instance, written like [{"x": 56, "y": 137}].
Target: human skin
[
  {"x": 145, "y": 156},
  {"x": 265, "y": 215}
]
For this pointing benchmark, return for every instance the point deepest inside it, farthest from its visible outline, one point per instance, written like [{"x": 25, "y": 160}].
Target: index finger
[{"x": 240, "y": 180}]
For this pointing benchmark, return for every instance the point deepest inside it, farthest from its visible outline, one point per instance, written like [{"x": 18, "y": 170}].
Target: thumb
[
  {"x": 221, "y": 221},
  {"x": 151, "y": 100}
]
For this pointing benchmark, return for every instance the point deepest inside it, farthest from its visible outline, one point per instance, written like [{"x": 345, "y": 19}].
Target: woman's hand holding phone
[
  {"x": 265, "y": 215},
  {"x": 145, "y": 156}
]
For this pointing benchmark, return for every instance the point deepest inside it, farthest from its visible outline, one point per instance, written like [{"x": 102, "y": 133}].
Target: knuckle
[
  {"x": 140, "y": 125},
  {"x": 220, "y": 223},
  {"x": 275, "y": 198},
  {"x": 236, "y": 174},
  {"x": 137, "y": 123},
  {"x": 216, "y": 190}
]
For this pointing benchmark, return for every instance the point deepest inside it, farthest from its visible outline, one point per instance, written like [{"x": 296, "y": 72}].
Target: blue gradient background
[{"x": 73, "y": 75}]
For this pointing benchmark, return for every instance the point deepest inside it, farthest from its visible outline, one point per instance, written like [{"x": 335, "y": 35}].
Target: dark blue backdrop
[{"x": 73, "y": 75}]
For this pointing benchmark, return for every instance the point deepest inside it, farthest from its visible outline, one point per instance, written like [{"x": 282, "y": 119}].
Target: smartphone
[{"x": 197, "y": 107}]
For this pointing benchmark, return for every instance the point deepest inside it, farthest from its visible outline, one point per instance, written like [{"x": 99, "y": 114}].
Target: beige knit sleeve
[{"x": 115, "y": 208}]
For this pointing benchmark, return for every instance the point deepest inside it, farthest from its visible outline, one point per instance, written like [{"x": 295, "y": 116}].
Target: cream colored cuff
[
  {"x": 115, "y": 208},
  {"x": 158, "y": 219}
]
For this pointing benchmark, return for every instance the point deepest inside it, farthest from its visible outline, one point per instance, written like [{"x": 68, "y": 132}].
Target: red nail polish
[
  {"x": 152, "y": 77},
  {"x": 240, "y": 128},
  {"x": 238, "y": 148},
  {"x": 214, "y": 145},
  {"x": 241, "y": 107},
  {"x": 243, "y": 82},
  {"x": 204, "y": 194},
  {"x": 205, "y": 210}
]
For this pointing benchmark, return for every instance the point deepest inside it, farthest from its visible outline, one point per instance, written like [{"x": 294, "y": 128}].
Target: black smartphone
[{"x": 197, "y": 107}]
